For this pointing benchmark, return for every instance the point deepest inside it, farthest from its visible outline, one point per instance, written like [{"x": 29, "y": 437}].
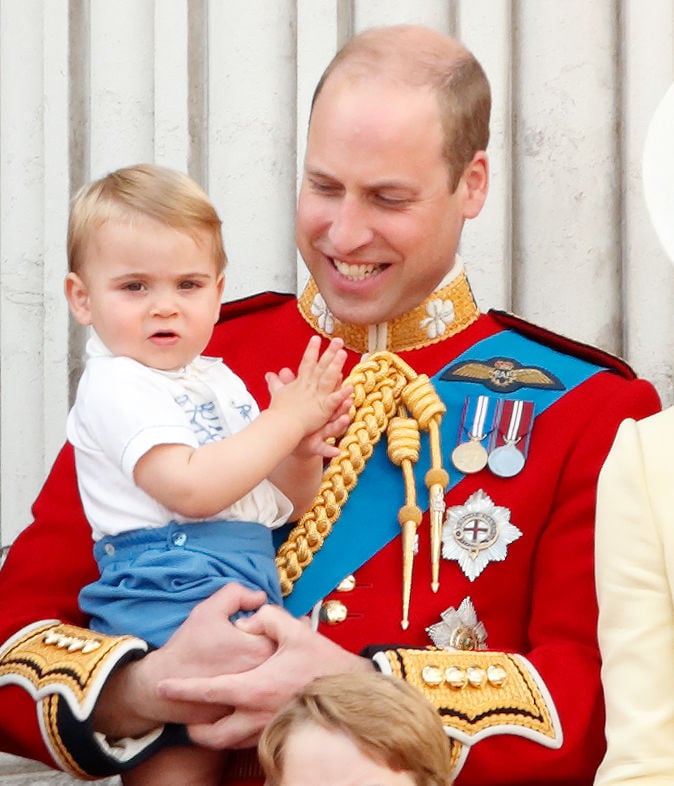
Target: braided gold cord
[
  {"x": 403, "y": 440},
  {"x": 381, "y": 389},
  {"x": 404, "y": 444},
  {"x": 427, "y": 408}
]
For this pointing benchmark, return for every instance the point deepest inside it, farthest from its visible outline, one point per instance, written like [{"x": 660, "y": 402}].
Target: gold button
[
  {"x": 476, "y": 676},
  {"x": 496, "y": 675},
  {"x": 76, "y": 644},
  {"x": 346, "y": 585},
  {"x": 455, "y": 677},
  {"x": 64, "y": 642},
  {"x": 431, "y": 675},
  {"x": 333, "y": 612}
]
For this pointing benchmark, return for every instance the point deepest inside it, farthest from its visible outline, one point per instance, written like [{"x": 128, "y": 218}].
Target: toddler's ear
[
  {"x": 220, "y": 284},
  {"x": 77, "y": 296}
]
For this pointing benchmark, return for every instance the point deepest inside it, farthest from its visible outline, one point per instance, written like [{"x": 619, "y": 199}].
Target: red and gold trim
[
  {"x": 55, "y": 662},
  {"x": 446, "y": 312},
  {"x": 479, "y": 693}
]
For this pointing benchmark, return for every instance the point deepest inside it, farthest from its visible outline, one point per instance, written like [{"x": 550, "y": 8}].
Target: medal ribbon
[
  {"x": 518, "y": 415},
  {"x": 481, "y": 404},
  {"x": 369, "y": 519}
]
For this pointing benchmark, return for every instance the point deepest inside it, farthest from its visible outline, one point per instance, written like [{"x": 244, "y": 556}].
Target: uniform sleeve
[
  {"x": 563, "y": 657},
  {"x": 636, "y": 621},
  {"x": 51, "y": 667},
  {"x": 478, "y": 695}
]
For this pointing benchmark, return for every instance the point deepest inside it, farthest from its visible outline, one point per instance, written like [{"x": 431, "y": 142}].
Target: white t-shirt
[{"x": 123, "y": 409}]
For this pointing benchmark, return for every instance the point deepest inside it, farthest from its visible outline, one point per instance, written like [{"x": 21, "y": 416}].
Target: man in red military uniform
[{"x": 496, "y": 427}]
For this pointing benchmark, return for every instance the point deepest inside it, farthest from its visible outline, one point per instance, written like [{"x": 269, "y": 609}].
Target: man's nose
[{"x": 349, "y": 229}]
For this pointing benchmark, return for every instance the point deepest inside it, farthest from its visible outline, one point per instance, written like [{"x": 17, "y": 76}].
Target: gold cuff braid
[
  {"x": 55, "y": 661},
  {"x": 480, "y": 694}
]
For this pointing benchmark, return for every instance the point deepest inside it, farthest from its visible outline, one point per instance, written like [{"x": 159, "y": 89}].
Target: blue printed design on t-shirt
[
  {"x": 203, "y": 418},
  {"x": 244, "y": 410}
]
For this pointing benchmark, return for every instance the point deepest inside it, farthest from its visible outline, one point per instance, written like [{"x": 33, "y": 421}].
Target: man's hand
[
  {"x": 205, "y": 645},
  {"x": 300, "y": 655}
]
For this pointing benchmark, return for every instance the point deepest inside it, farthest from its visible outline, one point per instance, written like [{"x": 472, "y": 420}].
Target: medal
[
  {"x": 459, "y": 629},
  {"x": 506, "y": 461},
  {"x": 469, "y": 457},
  {"x": 476, "y": 533},
  {"x": 510, "y": 439}
]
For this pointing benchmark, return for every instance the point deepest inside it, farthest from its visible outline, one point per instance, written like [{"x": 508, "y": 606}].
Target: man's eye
[
  {"x": 324, "y": 188},
  {"x": 389, "y": 201}
]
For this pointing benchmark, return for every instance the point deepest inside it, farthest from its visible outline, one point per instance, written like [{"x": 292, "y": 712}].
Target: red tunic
[{"x": 539, "y": 601}]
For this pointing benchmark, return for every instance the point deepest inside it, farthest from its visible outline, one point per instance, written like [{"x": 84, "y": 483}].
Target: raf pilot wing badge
[{"x": 502, "y": 375}]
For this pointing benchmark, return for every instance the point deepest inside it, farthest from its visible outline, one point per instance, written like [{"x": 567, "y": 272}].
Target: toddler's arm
[{"x": 199, "y": 482}]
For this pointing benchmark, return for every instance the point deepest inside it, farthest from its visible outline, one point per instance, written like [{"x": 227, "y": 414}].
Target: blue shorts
[{"x": 152, "y": 578}]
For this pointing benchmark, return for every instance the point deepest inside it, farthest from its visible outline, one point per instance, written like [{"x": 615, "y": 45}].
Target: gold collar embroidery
[{"x": 444, "y": 313}]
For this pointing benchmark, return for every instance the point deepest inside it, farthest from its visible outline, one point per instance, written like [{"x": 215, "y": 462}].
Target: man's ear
[
  {"x": 77, "y": 296},
  {"x": 476, "y": 184}
]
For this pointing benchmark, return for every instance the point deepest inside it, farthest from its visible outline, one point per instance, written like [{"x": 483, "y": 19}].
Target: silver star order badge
[
  {"x": 476, "y": 533},
  {"x": 460, "y": 629}
]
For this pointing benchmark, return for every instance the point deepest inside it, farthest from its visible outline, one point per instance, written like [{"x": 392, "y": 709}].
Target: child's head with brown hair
[{"x": 352, "y": 727}]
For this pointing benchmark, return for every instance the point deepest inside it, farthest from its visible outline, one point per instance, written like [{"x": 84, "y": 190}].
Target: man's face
[{"x": 377, "y": 225}]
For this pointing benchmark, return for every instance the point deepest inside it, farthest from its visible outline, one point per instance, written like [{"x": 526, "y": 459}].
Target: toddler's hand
[{"x": 314, "y": 396}]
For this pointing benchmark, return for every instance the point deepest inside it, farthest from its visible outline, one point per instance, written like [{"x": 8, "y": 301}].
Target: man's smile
[{"x": 356, "y": 272}]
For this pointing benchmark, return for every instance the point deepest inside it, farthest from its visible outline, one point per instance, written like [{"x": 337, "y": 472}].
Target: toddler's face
[
  {"x": 151, "y": 292},
  {"x": 314, "y": 755}
]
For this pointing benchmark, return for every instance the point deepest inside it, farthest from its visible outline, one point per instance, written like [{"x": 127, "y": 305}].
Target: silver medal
[{"x": 506, "y": 461}]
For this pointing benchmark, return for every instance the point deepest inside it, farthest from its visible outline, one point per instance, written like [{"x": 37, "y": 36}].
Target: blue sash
[{"x": 370, "y": 517}]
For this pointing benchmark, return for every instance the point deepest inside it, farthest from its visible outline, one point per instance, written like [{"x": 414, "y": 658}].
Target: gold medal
[
  {"x": 470, "y": 457},
  {"x": 476, "y": 423}
]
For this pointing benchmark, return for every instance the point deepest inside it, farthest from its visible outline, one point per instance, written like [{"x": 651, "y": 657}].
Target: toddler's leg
[{"x": 180, "y": 766}]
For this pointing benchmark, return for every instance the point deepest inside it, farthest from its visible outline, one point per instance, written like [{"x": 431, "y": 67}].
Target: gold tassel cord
[
  {"x": 404, "y": 445},
  {"x": 384, "y": 387},
  {"x": 427, "y": 408}
]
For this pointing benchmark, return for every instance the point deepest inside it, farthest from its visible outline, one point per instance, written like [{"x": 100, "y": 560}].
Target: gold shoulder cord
[{"x": 389, "y": 396}]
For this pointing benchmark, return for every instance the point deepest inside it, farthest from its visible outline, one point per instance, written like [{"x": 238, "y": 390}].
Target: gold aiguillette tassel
[
  {"x": 436, "y": 481},
  {"x": 404, "y": 444},
  {"x": 424, "y": 404},
  {"x": 409, "y": 517}
]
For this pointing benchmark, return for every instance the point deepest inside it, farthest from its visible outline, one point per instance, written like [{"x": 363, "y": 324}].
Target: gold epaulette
[
  {"x": 480, "y": 693},
  {"x": 50, "y": 660}
]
